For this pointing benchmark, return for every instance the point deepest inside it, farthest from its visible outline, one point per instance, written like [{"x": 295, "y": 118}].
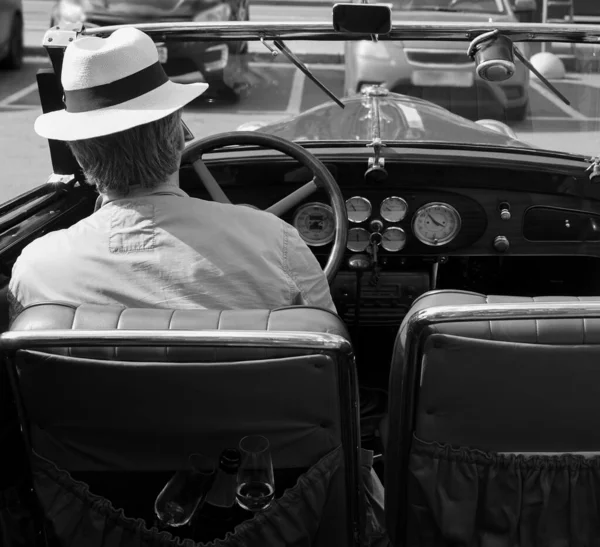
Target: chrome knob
[
  {"x": 359, "y": 262},
  {"x": 505, "y": 214},
  {"x": 501, "y": 244}
]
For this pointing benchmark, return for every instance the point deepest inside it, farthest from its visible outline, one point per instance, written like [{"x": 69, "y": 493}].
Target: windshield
[
  {"x": 417, "y": 91},
  {"x": 489, "y": 6}
]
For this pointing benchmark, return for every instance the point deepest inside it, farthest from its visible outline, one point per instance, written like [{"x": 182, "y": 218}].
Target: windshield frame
[
  {"x": 501, "y": 7},
  {"x": 323, "y": 31}
]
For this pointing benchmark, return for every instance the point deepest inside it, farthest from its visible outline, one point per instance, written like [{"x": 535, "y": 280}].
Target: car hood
[{"x": 393, "y": 116}]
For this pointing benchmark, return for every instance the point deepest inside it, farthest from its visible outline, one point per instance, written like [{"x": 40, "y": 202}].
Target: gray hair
[{"x": 145, "y": 155}]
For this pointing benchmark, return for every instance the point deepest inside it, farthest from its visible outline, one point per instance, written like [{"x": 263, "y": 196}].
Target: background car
[
  {"x": 441, "y": 72},
  {"x": 212, "y": 60},
  {"x": 11, "y": 34}
]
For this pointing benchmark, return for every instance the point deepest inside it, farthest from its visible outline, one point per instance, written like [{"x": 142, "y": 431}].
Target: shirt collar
[{"x": 139, "y": 192}]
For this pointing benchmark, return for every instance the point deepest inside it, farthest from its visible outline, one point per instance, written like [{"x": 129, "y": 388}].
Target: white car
[{"x": 440, "y": 72}]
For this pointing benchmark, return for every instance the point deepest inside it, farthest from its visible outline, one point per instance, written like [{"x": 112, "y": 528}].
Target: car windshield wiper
[{"x": 301, "y": 66}]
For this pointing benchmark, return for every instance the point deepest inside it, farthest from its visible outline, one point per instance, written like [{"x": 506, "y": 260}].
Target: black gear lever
[{"x": 359, "y": 263}]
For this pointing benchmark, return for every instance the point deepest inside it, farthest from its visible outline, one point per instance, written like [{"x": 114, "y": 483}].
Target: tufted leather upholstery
[
  {"x": 95, "y": 317},
  {"x": 525, "y": 386},
  {"x": 146, "y": 408}
]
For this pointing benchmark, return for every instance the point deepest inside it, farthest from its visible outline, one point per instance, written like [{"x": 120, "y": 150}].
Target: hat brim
[{"x": 158, "y": 103}]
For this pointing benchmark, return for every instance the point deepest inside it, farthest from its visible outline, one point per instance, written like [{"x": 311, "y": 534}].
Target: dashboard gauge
[
  {"x": 393, "y": 209},
  {"x": 358, "y": 239},
  {"x": 436, "y": 224},
  {"x": 315, "y": 223},
  {"x": 393, "y": 239},
  {"x": 359, "y": 209}
]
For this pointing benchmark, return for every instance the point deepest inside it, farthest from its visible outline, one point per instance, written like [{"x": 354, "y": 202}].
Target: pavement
[{"x": 278, "y": 90}]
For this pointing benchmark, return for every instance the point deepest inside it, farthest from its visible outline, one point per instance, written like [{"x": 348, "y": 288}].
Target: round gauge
[
  {"x": 393, "y": 209},
  {"x": 394, "y": 239},
  {"x": 436, "y": 224},
  {"x": 359, "y": 209},
  {"x": 315, "y": 223},
  {"x": 358, "y": 239}
]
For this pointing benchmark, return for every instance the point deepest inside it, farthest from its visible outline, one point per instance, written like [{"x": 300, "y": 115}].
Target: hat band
[{"x": 117, "y": 92}]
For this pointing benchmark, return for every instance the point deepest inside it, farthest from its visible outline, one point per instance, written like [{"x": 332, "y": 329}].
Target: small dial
[
  {"x": 358, "y": 239},
  {"x": 315, "y": 223},
  {"x": 394, "y": 239},
  {"x": 436, "y": 224},
  {"x": 359, "y": 209},
  {"x": 393, "y": 209}
]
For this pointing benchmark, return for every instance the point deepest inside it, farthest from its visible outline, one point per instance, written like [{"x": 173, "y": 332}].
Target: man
[{"x": 149, "y": 244}]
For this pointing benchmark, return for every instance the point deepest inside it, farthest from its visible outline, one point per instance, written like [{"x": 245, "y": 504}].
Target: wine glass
[
  {"x": 255, "y": 482},
  {"x": 185, "y": 492}
]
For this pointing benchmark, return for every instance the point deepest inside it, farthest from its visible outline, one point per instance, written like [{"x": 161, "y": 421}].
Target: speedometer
[
  {"x": 315, "y": 223},
  {"x": 436, "y": 224}
]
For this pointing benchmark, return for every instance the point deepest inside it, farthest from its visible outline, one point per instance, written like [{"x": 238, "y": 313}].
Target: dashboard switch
[
  {"x": 501, "y": 244},
  {"x": 505, "y": 211}
]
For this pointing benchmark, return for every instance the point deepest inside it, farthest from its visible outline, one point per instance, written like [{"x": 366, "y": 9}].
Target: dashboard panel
[{"x": 495, "y": 205}]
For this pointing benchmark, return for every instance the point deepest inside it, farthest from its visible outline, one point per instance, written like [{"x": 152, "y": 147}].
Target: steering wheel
[{"x": 193, "y": 152}]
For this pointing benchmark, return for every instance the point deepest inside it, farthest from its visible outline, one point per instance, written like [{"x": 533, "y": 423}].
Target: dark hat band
[{"x": 117, "y": 92}]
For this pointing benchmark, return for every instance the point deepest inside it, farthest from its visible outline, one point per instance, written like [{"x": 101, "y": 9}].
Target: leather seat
[
  {"x": 105, "y": 403},
  {"x": 527, "y": 386}
]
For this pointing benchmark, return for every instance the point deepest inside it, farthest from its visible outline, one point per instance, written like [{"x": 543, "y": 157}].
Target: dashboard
[{"x": 496, "y": 229}]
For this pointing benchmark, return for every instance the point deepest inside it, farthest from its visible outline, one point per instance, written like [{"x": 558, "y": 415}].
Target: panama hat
[{"x": 113, "y": 84}]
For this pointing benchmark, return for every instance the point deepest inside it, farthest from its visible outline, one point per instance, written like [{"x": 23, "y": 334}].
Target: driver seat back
[{"x": 137, "y": 390}]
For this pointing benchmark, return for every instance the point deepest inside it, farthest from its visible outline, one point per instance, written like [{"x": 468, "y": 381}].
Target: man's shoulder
[{"x": 44, "y": 247}]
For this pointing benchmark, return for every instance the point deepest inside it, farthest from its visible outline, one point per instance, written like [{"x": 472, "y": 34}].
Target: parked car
[
  {"x": 440, "y": 72},
  {"x": 210, "y": 59},
  {"x": 11, "y": 34}
]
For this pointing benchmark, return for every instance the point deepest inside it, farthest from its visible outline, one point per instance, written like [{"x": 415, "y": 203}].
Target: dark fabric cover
[
  {"x": 17, "y": 528},
  {"x": 469, "y": 498},
  {"x": 293, "y": 401},
  {"x": 77, "y": 517}
]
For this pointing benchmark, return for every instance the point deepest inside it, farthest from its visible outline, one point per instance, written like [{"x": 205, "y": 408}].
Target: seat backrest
[
  {"x": 489, "y": 377},
  {"x": 107, "y": 389},
  {"x": 93, "y": 407}
]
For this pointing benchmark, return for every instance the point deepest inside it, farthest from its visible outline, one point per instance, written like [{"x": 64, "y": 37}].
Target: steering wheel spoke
[
  {"x": 322, "y": 178},
  {"x": 294, "y": 199},
  {"x": 210, "y": 183}
]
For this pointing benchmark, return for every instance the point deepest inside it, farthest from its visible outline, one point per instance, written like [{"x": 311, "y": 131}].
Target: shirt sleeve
[
  {"x": 309, "y": 280},
  {"x": 15, "y": 305}
]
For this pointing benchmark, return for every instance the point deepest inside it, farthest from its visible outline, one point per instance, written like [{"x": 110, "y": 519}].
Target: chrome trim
[
  {"x": 15, "y": 340},
  {"x": 393, "y": 229},
  {"x": 437, "y": 242},
  {"x": 399, "y": 448},
  {"x": 395, "y": 198},
  {"x": 329, "y": 210},
  {"x": 368, "y": 204},
  {"x": 459, "y": 32}
]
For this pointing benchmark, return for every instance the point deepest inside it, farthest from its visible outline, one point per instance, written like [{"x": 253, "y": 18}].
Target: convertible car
[{"x": 462, "y": 366}]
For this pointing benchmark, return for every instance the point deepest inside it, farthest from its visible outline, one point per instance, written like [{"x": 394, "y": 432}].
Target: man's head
[
  {"x": 123, "y": 115},
  {"x": 145, "y": 155}
]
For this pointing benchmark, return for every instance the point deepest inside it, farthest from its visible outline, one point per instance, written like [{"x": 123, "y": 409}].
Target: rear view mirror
[{"x": 362, "y": 18}]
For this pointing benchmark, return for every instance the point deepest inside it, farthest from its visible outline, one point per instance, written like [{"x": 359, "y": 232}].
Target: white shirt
[{"x": 160, "y": 248}]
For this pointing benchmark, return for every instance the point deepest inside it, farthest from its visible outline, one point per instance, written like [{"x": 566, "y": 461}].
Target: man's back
[{"x": 161, "y": 248}]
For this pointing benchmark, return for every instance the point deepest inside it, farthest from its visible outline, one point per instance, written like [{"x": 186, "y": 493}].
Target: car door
[{"x": 34, "y": 213}]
